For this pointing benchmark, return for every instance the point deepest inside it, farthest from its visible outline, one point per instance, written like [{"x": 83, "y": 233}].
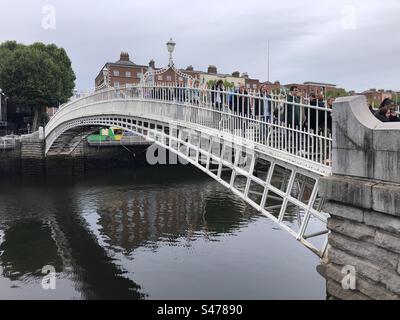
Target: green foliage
[
  {"x": 229, "y": 85},
  {"x": 211, "y": 83},
  {"x": 36, "y": 75},
  {"x": 336, "y": 93},
  {"x": 396, "y": 98},
  {"x": 374, "y": 103}
]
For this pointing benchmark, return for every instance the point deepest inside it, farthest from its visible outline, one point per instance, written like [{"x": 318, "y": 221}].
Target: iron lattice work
[{"x": 271, "y": 165}]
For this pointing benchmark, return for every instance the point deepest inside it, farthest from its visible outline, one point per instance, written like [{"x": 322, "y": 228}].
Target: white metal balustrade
[{"x": 289, "y": 125}]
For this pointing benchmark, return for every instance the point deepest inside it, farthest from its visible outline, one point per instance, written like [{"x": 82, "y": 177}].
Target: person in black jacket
[
  {"x": 217, "y": 94},
  {"x": 240, "y": 102},
  {"x": 329, "y": 104},
  {"x": 292, "y": 109},
  {"x": 262, "y": 104},
  {"x": 312, "y": 113},
  {"x": 386, "y": 112}
]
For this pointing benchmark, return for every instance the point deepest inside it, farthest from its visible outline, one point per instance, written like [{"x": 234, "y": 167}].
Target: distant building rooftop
[{"x": 322, "y": 84}]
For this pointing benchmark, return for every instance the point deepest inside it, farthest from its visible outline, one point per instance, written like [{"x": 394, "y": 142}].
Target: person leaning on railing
[
  {"x": 262, "y": 105},
  {"x": 329, "y": 104},
  {"x": 217, "y": 94},
  {"x": 313, "y": 114},
  {"x": 240, "y": 102},
  {"x": 292, "y": 111},
  {"x": 387, "y": 112}
]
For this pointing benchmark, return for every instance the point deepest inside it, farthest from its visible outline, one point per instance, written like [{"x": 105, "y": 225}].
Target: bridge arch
[{"x": 216, "y": 143}]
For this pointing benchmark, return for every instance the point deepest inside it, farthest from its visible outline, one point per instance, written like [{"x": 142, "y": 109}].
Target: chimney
[
  {"x": 212, "y": 69},
  {"x": 189, "y": 68},
  {"x": 152, "y": 64},
  {"x": 124, "y": 56},
  {"x": 245, "y": 75},
  {"x": 236, "y": 74}
]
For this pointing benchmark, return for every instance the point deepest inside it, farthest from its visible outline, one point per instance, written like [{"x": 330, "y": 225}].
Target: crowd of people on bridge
[{"x": 293, "y": 110}]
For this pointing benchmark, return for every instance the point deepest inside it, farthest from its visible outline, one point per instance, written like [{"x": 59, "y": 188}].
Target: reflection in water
[
  {"x": 152, "y": 233},
  {"x": 27, "y": 246},
  {"x": 143, "y": 217}
]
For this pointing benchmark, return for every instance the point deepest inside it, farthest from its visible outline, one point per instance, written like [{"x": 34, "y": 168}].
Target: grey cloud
[{"x": 306, "y": 38}]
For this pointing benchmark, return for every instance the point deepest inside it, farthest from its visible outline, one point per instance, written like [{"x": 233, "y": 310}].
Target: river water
[{"x": 146, "y": 233}]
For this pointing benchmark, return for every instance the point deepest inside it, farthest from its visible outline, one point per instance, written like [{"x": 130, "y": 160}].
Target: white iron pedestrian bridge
[{"x": 248, "y": 142}]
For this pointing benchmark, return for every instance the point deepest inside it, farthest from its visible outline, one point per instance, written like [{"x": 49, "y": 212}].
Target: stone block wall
[
  {"x": 364, "y": 234},
  {"x": 32, "y": 156},
  {"x": 363, "y": 200}
]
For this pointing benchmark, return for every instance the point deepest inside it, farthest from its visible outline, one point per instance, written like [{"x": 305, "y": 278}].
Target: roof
[
  {"x": 320, "y": 84},
  {"x": 126, "y": 64}
]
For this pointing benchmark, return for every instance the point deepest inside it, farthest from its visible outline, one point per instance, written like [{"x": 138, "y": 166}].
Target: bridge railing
[{"x": 293, "y": 125}]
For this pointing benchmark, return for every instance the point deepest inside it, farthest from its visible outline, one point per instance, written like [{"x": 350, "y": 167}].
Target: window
[
  {"x": 159, "y": 78},
  {"x": 169, "y": 78},
  {"x": 128, "y": 74},
  {"x": 116, "y": 84},
  {"x": 139, "y": 75},
  {"x": 116, "y": 73},
  {"x": 254, "y": 86},
  {"x": 248, "y": 86}
]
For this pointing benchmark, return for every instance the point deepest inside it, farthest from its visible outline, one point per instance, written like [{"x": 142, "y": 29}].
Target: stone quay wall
[
  {"x": 363, "y": 200},
  {"x": 28, "y": 158}
]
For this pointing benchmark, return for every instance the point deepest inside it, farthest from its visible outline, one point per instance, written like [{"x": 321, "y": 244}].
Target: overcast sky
[{"x": 354, "y": 44}]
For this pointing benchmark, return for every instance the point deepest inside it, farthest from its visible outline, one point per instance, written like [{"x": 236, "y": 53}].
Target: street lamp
[
  {"x": 1, "y": 111},
  {"x": 105, "y": 75},
  {"x": 170, "y": 47}
]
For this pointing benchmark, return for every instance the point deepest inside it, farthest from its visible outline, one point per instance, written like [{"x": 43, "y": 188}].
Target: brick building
[
  {"x": 125, "y": 72},
  {"x": 375, "y": 97},
  {"x": 272, "y": 87},
  {"x": 236, "y": 79},
  {"x": 309, "y": 87},
  {"x": 121, "y": 72}
]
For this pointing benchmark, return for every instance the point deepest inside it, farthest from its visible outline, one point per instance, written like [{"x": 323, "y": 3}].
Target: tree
[
  {"x": 229, "y": 85},
  {"x": 211, "y": 83},
  {"x": 336, "y": 93},
  {"x": 37, "y": 75}
]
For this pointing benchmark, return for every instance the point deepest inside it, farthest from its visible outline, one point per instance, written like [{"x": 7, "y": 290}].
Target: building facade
[
  {"x": 272, "y": 87},
  {"x": 125, "y": 72},
  {"x": 122, "y": 72},
  {"x": 316, "y": 88},
  {"x": 375, "y": 97}
]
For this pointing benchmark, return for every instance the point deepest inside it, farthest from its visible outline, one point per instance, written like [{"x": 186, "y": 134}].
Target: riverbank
[{"x": 27, "y": 158}]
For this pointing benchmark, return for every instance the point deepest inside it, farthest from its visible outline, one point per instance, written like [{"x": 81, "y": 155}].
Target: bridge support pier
[
  {"x": 364, "y": 240},
  {"x": 363, "y": 200}
]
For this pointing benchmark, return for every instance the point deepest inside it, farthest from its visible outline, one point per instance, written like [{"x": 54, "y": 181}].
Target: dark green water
[{"x": 150, "y": 233}]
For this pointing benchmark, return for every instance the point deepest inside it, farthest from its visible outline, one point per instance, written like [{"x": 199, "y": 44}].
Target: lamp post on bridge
[
  {"x": 106, "y": 74},
  {"x": 149, "y": 77},
  {"x": 170, "y": 47}
]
